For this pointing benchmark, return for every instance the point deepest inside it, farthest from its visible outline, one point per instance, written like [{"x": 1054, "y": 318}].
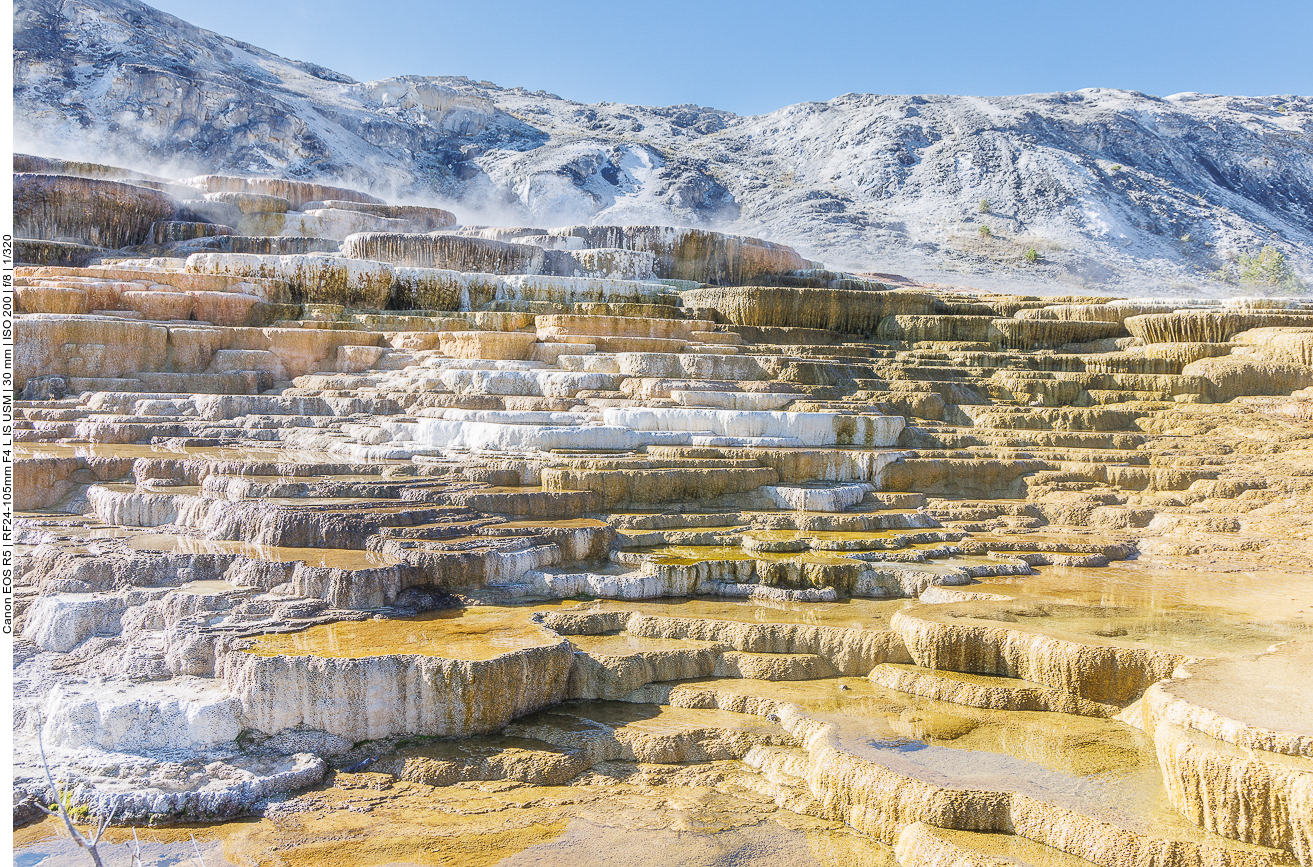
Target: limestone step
[
  {"x": 531, "y": 503},
  {"x": 1043, "y": 775},
  {"x": 570, "y": 326},
  {"x": 773, "y": 666},
  {"x": 621, "y": 343},
  {"x": 639, "y": 485},
  {"x": 1209, "y": 780},
  {"x": 1268, "y": 713},
  {"x": 1003, "y": 451},
  {"x": 579, "y": 539},
  {"x": 648, "y": 733},
  {"x": 969, "y": 510},
  {"x": 1040, "y": 642},
  {"x": 726, "y": 337},
  {"x": 733, "y": 399},
  {"x": 922, "y": 845},
  {"x": 1000, "y": 693},
  {"x": 1105, "y": 397},
  {"x": 896, "y": 499},
  {"x": 397, "y": 359}
]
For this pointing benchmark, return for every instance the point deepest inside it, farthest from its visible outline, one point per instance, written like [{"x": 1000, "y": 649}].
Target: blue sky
[{"x": 753, "y": 57}]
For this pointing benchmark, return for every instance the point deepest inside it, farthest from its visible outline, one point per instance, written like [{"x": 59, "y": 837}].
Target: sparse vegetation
[
  {"x": 1268, "y": 269},
  {"x": 1032, "y": 256},
  {"x": 64, "y": 808},
  {"x": 76, "y": 812},
  {"x": 1117, "y": 167},
  {"x": 985, "y": 207},
  {"x": 984, "y": 232}
]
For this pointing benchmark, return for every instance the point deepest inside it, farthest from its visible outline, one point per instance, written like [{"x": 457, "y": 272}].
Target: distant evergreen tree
[{"x": 1269, "y": 269}]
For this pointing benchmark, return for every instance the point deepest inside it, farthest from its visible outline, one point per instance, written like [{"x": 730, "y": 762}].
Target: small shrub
[
  {"x": 76, "y": 812},
  {"x": 984, "y": 206},
  {"x": 984, "y": 231},
  {"x": 1269, "y": 269},
  {"x": 1031, "y": 255},
  {"x": 1116, "y": 168}
]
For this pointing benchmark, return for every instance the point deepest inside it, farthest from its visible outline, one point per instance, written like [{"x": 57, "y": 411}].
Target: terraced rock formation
[{"x": 416, "y": 562}]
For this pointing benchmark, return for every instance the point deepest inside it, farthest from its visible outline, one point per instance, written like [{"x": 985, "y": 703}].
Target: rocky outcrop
[
  {"x": 382, "y": 696},
  {"x": 86, "y": 211},
  {"x": 296, "y": 193},
  {"x": 847, "y": 311},
  {"x": 454, "y": 252},
  {"x": 1097, "y": 672},
  {"x": 313, "y": 279},
  {"x": 690, "y": 254},
  {"x": 422, "y": 218},
  {"x": 1207, "y": 326}
]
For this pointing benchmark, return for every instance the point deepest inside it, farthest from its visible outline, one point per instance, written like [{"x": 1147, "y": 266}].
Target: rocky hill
[{"x": 1108, "y": 188}]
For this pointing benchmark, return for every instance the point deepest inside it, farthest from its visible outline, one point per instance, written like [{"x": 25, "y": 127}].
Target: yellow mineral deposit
[
  {"x": 482, "y": 632},
  {"x": 352, "y": 536}
]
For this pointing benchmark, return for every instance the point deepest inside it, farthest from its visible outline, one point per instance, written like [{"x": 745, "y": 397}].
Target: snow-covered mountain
[{"x": 1109, "y": 188}]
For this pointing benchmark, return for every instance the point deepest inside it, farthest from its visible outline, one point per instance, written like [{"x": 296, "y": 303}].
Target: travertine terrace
[{"x": 529, "y": 541}]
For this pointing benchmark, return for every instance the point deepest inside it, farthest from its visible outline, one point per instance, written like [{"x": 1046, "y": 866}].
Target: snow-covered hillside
[{"x": 1108, "y": 188}]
